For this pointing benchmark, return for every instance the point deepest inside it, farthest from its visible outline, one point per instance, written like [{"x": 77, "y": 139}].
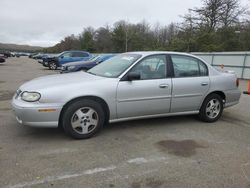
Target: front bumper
[
  {"x": 45, "y": 63},
  {"x": 64, "y": 69},
  {"x": 35, "y": 114}
]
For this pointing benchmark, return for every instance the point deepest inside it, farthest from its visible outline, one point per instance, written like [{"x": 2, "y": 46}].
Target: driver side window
[{"x": 153, "y": 67}]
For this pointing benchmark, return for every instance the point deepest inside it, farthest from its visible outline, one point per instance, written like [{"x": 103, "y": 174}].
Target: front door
[
  {"x": 151, "y": 94},
  {"x": 65, "y": 58}
]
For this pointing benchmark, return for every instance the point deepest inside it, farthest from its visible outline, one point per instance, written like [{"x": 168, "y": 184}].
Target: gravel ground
[{"x": 164, "y": 152}]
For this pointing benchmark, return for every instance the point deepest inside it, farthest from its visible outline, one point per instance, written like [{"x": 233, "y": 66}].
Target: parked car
[
  {"x": 42, "y": 58},
  {"x": 68, "y": 56},
  {"x": 2, "y": 58},
  {"x": 85, "y": 65},
  {"x": 46, "y": 58},
  {"x": 19, "y": 54},
  {"x": 38, "y": 56},
  {"x": 6, "y": 54},
  {"x": 128, "y": 86},
  {"x": 32, "y": 54}
]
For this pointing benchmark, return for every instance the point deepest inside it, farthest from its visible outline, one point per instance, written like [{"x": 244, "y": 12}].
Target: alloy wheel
[
  {"x": 84, "y": 120},
  {"x": 213, "y": 108},
  {"x": 53, "y": 66}
]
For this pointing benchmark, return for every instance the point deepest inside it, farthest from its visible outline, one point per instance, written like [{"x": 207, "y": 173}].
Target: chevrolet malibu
[{"x": 129, "y": 86}]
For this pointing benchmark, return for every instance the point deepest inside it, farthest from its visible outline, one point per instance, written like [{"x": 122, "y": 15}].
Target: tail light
[{"x": 237, "y": 82}]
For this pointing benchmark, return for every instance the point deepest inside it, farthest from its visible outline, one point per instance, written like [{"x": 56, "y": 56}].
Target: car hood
[{"x": 58, "y": 80}]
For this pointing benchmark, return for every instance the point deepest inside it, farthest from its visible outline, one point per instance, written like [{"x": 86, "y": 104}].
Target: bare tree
[
  {"x": 216, "y": 13},
  {"x": 209, "y": 14},
  {"x": 230, "y": 12}
]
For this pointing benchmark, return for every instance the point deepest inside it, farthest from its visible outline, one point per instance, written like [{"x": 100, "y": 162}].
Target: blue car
[
  {"x": 66, "y": 57},
  {"x": 85, "y": 65}
]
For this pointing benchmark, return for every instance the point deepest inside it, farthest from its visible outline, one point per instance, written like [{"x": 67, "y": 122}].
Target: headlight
[
  {"x": 30, "y": 96},
  {"x": 71, "y": 67}
]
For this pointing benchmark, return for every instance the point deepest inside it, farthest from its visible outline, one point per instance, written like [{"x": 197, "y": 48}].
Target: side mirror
[
  {"x": 62, "y": 57},
  {"x": 133, "y": 76}
]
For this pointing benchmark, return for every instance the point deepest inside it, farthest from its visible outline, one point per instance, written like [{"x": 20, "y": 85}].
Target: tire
[
  {"x": 83, "y": 119},
  {"x": 52, "y": 65},
  {"x": 45, "y": 64},
  {"x": 211, "y": 109}
]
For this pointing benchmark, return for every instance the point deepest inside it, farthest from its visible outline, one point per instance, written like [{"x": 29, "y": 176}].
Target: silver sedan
[{"x": 129, "y": 86}]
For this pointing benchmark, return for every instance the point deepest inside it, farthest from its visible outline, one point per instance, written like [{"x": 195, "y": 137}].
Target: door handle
[
  {"x": 204, "y": 83},
  {"x": 163, "y": 86}
]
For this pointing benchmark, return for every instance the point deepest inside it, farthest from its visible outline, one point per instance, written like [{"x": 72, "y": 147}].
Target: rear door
[
  {"x": 190, "y": 83},
  {"x": 148, "y": 96}
]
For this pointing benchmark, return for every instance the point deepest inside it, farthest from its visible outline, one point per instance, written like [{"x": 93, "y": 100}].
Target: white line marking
[
  {"x": 56, "y": 178},
  {"x": 96, "y": 170},
  {"x": 58, "y": 151},
  {"x": 139, "y": 160},
  {"x": 244, "y": 172},
  {"x": 114, "y": 178},
  {"x": 142, "y": 160}
]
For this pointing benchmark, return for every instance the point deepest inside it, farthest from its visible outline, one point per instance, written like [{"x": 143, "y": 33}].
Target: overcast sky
[{"x": 46, "y": 22}]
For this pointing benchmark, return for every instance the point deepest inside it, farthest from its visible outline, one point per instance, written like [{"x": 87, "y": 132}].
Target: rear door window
[
  {"x": 80, "y": 54},
  {"x": 185, "y": 66}
]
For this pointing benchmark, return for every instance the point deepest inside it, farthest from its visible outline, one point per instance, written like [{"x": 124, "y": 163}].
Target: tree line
[{"x": 218, "y": 25}]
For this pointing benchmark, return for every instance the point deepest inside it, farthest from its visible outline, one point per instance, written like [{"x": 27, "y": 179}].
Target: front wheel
[
  {"x": 83, "y": 119},
  {"x": 211, "y": 109},
  {"x": 52, "y": 65}
]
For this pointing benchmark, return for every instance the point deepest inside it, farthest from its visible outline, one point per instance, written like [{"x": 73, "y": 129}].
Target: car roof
[
  {"x": 147, "y": 53},
  {"x": 75, "y": 51}
]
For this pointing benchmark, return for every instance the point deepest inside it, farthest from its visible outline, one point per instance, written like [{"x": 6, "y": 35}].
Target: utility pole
[
  {"x": 238, "y": 32},
  {"x": 126, "y": 38}
]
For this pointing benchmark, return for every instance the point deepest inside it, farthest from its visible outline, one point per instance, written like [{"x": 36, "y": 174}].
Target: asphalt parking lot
[{"x": 164, "y": 152}]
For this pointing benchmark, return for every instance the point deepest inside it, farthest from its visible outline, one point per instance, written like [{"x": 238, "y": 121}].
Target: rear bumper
[
  {"x": 232, "y": 97},
  {"x": 31, "y": 114}
]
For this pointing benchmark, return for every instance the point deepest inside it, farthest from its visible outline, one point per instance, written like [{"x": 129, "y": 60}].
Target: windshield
[
  {"x": 59, "y": 54},
  {"x": 114, "y": 66},
  {"x": 94, "y": 58}
]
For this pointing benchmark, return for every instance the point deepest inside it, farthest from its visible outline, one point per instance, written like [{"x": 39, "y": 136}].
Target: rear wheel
[
  {"x": 211, "y": 109},
  {"x": 83, "y": 119},
  {"x": 53, "y": 65}
]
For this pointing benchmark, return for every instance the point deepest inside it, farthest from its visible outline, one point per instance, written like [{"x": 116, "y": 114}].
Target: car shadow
[
  {"x": 44, "y": 134},
  {"x": 56, "y": 134},
  {"x": 44, "y": 69}
]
